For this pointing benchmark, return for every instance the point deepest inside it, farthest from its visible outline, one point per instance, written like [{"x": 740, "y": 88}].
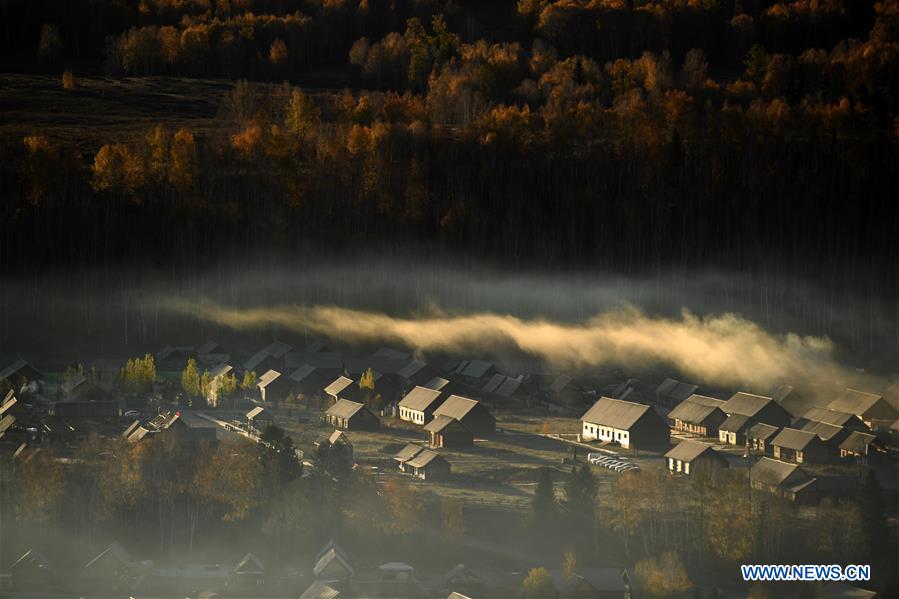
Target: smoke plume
[{"x": 725, "y": 349}]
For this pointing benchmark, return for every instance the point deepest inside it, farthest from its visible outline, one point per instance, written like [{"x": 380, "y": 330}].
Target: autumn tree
[
  {"x": 538, "y": 584},
  {"x": 404, "y": 505},
  {"x": 190, "y": 379},
  {"x": 665, "y": 576},
  {"x": 68, "y": 80},
  {"x": 302, "y": 114},
  {"x": 248, "y": 383},
  {"x": 277, "y": 53},
  {"x": 42, "y": 483},
  {"x": 183, "y": 160},
  {"x": 139, "y": 375}
]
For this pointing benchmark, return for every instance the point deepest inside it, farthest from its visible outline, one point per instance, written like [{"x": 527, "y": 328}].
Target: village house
[
  {"x": 320, "y": 590},
  {"x": 672, "y": 392},
  {"x": 759, "y": 436},
  {"x": 173, "y": 358},
  {"x": 273, "y": 386},
  {"x": 428, "y": 465},
  {"x": 698, "y": 415},
  {"x": 864, "y": 448},
  {"x": 332, "y": 565},
  {"x": 602, "y": 583},
  {"x": 444, "y": 431},
  {"x": 733, "y": 430},
  {"x": 626, "y": 423},
  {"x": 744, "y": 410},
  {"x": 782, "y": 479},
  {"x": 259, "y": 419},
  {"x": 403, "y": 456},
  {"x": 802, "y": 447},
  {"x": 336, "y": 447},
  {"x": 830, "y": 434},
  {"x": 475, "y": 372},
  {"x": 416, "y": 372},
  {"x": 564, "y": 391},
  {"x": 871, "y": 409},
  {"x": 249, "y": 573},
  {"x": 474, "y": 415},
  {"x": 419, "y": 404},
  {"x": 790, "y": 399},
  {"x": 31, "y": 570},
  {"x": 216, "y": 379},
  {"x": 342, "y": 388},
  {"x": 307, "y": 381},
  {"x": 690, "y": 457},
  {"x": 350, "y": 415},
  {"x": 833, "y": 417}
]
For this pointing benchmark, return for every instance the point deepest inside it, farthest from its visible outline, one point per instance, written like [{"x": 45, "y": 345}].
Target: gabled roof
[
  {"x": 320, "y": 590},
  {"x": 268, "y": 378},
  {"x": 441, "y": 422},
  {"x": 694, "y": 412},
  {"x": 791, "y": 438},
  {"x": 338, "y": 386},
  {"x": 420, "y": 399},
  {"x": 6, "y": 422},
  {"x": 436, "y": 383},
  {"x": 207, "y": 348},
  {"x": 746, "y": 404},
  {"x": 676, "y": 389},
  {"x": 825, "y": 431},
  {"x": 705, "y": 400},
  {"x": 495, "y": 381},
  {"x": 762, "y": 431},
  {"x": 14, "y": 368},
  {"x": 561, "y": 381},
  {"x": 115, "y": 550},
  {"x": 509, "y": 387},
  {"x": 411, "y": 369},
  {"x": 249, "y": 563},
  {"x": 456, "y": 407},
  {"x": 329, "y": 556},
  {"x": 277, "y": 349},
  {"x": 615, "y": 413},
  {"x": 344, "y": 408},
  {"x": 734, "y": 423},
  {"x": 853, "y": 401},
  {"x": 782, "y": 392},
  {"x": 687, "y": 451},
  {"x": 168, "y": 351},
  {"x": 775, "y": 473},
  {"x": 858, "y": 442},
  {"x": 255, "y": 412},
  {"x": 220, "y": 370},
  {"x": 408, "y": 452},
  {"x": 301, "y": 373},
  {"x": 131, "y": 428},
  {"x": 423, "y": 458},
  {"x": 476, "y": 368},
  {"x": 829, "y": 416},
  {"x": 338, "y": 436},
  {"x": 255, "y": 360}
]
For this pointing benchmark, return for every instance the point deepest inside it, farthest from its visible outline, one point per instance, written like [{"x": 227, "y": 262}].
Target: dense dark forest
[{"x": 623, "y": 132}]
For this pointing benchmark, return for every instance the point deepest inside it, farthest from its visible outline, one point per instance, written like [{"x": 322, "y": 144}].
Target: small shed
[
  {"x": 351, "y": 415},
  {"x": 428, "y": 465},
  {"x": 444, "y": 431}
]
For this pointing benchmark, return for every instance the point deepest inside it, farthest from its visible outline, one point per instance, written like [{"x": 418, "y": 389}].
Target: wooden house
[
  {"x": 342, "y": 387},
  {"x": 419, "y": 404},
  {"x": 273, "y": 386},
  {"x": 759, "y": 436},
  {"x": 403, "y": 456},
  {"x": 444, "y": 431},
  {"x": 350, "y": 415},
  {"x": 333, "y": 566},
  {"x": 863, "y": 447},
  {"x": 672, "y": 392},
  {"x": 690, "y": 457},
  {"x": 258, "y": 419},
  {"x": 249, "y": 573},
  {"x": 757, "y": 407},
  {"x": 875, "y": 411},
  {"x": 783, "y": 479},
  {"x": 428, "y": 465},
  {"x": 699, "y": 415},
  {"x": 801, "y": 447},
  {"x": 475, "y": 372},
  {"x": 336, "y": 447},
  {"x": 473, "y": 414},
  {"x": 626, "y": 423}
]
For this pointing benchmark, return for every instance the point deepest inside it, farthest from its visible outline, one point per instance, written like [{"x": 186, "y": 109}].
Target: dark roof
[
  {"x": 774, "y": 473},
  {"x": 220, "y": 370},
  {"x": 475, "y": 368},
  {"x": 301, "y": 373},
  {"x": 207, "y": 348},
  {"x": 762, "y": 431},
  {"x": 829, "y": 416},
  {"x": 437, "y": 383},
  {"x": 277, "y": 349},
  {"x": 344, "y": 408},
  {"x": 508, "y": 387},
  {"x": 495, "y": 381},
  {"x": 326, "y": 360},
  {"x": 857, "y": 442},
  {"x": 456, "y": 407},
  {"x": 615, "y": 413},
  {"x": 249, "y": 563},
  {"x": 853, "y": 401},
  {"x": 734, "y": 423},
  {"x": 329, "y": 556},
  {"x": 561, "y": 381},
  {"x": 782, "y": 392},
  {"x": 411, "y": 369},
  {"x": 693, "y": 412},
  {"x": 791, "y": 438},
  {"x": 407, "y": 453},
  {"x": 419, "y": 399},
  {"x": 687, "y": 451},
  {"x": 825, "y": 431},
  {"x": 255, "y": 360},
  {"x": 746, "y": 404},
  {"x": 14, "y": 368},
  {"x": 676, "y": 389}
]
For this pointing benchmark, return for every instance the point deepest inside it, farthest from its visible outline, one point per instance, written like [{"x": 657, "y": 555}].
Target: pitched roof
[
  {"x": 8, "y": 402},
  {"x": 734, "y": 423},
  {"x": 207, "y": 348},
  {"x": 476, "y": 368},
  {"x": 829, "y": 416},
  {"x": 277, "y": 349},
  {"x": 339, "y": 385},
  {"x": 411, "y": 369},
  {"x": 560, "y": 383},
  {"x": 249, "y": 563},
  {"x": 439, "y": 423},
  {"x": 495, "y": 381},
  {"x": 437, "y": 383},
  {"x": 456, "y": 407},
  {"x": 774, "y": 473},
  {"x": 423, "y": 458},
  {"x": 329, "y": 556},
  {"x": 746, "y": 404},
  {"x": 676, "y": 389},
  {"x": 825, "y": 431},
  {"x": 255, "y": 360},
  {"x": 6, "y": 422},
  {"x": 781, "y": 392},
  {"x": 419, "y": 399},
  {"x": 857, "y": 442},
  {"x": 31, "y": 558},
  {"x": 344, "y": 408},
  {"x": 791, "y": 438},
  {"x": 71, "y": 383},
  {"x": 854, "y": 401},
  {"x": 408, "y": 452},
  {"x": 695, "y": 411},
  {"x": 762, "y": 431},
  {"x": 615, "y": 413},
  {"x": 320, "y": 590},
  {"x": 687, "y": 451},
  {"x": 301, "y": 373},
  {"x": 509, "y": 387},
  {"x": 14, "y": 368},
  {"x": 255, "y": 412},
  {"x": 338, "y": 436},
  {"x": 114, "y": 550},
  {"x": 220, "y": 370},
  {"x": 268, "y": 378}
]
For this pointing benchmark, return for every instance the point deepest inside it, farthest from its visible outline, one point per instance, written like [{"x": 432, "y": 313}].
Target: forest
[{"x": 622, "y": 133}]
